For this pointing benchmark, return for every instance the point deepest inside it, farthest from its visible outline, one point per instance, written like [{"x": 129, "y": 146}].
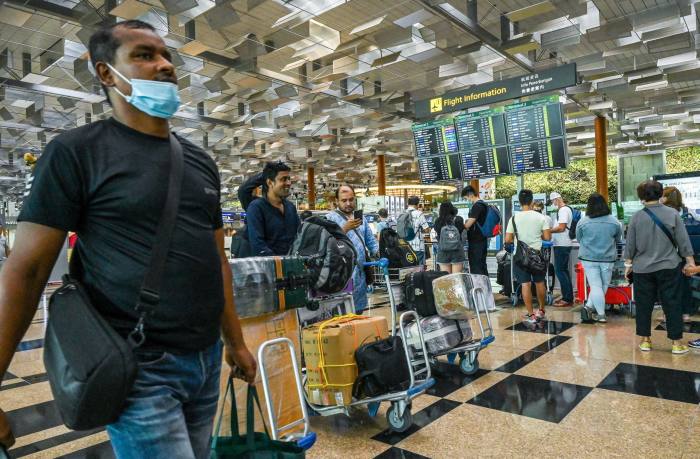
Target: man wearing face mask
[
  {"x": 359, "y": 232},
  {"x": 108, "y": 182},
  {"x": 273, "y": 220},
  {"x": 562, "y": 249}
]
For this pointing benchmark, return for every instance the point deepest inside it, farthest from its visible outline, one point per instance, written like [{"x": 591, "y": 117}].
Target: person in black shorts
[{"x": 478, "y": 244}]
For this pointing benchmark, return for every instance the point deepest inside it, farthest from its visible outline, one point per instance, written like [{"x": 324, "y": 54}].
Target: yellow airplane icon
[{"x": 436, "y": 105}]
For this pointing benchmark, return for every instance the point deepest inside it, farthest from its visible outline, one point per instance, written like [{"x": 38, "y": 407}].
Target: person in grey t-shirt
[{"x": 653, "y": 257}]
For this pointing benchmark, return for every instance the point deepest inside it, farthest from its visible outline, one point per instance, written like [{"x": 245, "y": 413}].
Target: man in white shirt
[
  {"x": 420, "y": 225},
  {"x": 562, "y": 249},
  {"x": 531, "y": 228}
]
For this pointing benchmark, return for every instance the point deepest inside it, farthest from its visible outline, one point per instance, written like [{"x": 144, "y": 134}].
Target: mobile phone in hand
[{"x": 357, "y": 215}]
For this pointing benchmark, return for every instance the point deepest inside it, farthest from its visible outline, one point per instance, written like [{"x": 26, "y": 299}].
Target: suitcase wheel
[
  {"x": 468, "y": 367},
  {"x": 399, "y": 423}
]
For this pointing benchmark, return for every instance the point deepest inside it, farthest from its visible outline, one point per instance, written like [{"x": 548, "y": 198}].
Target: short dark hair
[
  {"x": 469, "y": 190},
  {"x": 270, "y": 172},
  {"x": 525, "y": 197},
  {"x": 650, "y": 190},
  {"x": 597, "y": 206},
  {"x": 383, "y": 213},
  {"x": 413, "y": 201},
  {"x": 344, "y": 185},
  {"x": 103, "y": 44}
]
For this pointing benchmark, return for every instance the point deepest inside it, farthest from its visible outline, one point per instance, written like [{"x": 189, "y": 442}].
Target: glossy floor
[{"x": 561, "y": 389}]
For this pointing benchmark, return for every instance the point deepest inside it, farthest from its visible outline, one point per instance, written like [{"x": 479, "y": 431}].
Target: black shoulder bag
[
  {"x": 368, "y": 270},
  {"x": 91, "y": 368},
  {"x": 527, "y": 258}
]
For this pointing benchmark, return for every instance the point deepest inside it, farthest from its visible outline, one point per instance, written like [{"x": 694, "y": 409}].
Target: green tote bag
[{"x": 252, "y": 445}]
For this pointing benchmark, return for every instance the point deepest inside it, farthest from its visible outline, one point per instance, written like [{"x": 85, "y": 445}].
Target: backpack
[
  {"x": 692, "y": 226},
  {"x": 382, "y": 368},
  {"x": 331, "y": 254},
  {"x": 240, "y": 245},
  {"x": 400, "y": 255},
  {"x": 404, "y": 226},
  {"x": 492, "y": 222},
  {"x": 575, "y": 218},
  {"x": 450, "y": 239}
]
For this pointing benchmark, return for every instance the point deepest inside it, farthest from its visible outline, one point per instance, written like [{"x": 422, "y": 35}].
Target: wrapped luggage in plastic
[
  {"x": 263, "y": 285},
  {"x": 453, "y": 298},
  {"x": 440, "y": 334},
  {"x": 281, "y": 379},
  {"x": 329, "y": 352}
]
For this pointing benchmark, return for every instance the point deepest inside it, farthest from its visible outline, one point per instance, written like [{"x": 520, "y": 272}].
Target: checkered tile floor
[{"x": 584, "y": 390}]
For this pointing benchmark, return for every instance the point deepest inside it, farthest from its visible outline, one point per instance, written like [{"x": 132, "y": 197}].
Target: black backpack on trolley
[
  {"x": 418, "y": 292},
  {"x": 399, "y": 254}
]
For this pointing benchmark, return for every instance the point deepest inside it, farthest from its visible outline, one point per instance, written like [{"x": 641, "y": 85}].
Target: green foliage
[
  {"x": 575, "y": 183},
  {"x": 683, "y": 160}
]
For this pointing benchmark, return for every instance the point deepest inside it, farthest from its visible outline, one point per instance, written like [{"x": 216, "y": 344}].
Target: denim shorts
[
  {"x": 523, "y": 277},
  {"x": 451, "y": 256}
]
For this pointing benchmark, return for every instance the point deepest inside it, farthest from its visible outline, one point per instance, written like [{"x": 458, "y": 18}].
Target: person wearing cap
[{"x": 562, "y": 249}]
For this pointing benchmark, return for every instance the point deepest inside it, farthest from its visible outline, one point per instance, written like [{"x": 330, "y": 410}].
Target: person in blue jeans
[
  {"x": 107, "y": 182},
  {"x": 598, "y": 234},
  {"x": 562, "y": 249}
]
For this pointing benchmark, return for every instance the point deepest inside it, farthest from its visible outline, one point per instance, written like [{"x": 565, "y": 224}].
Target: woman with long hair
[
  {"x": 450, "y": 252},
  {"x": 598, "y": 234}
]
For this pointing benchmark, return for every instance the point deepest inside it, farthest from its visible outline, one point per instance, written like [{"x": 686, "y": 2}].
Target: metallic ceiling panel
[
  {"x": 617, "y": 28},
  {"x": 416, "y": 17},
  {"x": 175, "y": 7},
  {"x": 536, "y": 9},
  {"x": 222, "y": 15},
  {"x": 561, "y": 37},
  {"x": 130, "y": 9},
  {"x": 678, "y": 42},
  {"x": 367, "y": 27},
  {"x": 393, "y": 36}
]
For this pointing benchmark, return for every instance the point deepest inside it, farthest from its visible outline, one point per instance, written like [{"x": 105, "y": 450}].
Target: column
[
  {"x": 311, "y": 187},
  {"x": 381, "y": 175},
  {"x": 601, "y": 157}
]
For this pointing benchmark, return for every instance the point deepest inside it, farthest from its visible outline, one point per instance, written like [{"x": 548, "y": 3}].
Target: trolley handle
[
  {"x": 382, "y": 263},
  {"x": 547, "y": 244}
]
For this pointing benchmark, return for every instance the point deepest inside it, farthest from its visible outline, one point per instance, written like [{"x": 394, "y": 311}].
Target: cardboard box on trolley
[{"x": 330, "y": 381}]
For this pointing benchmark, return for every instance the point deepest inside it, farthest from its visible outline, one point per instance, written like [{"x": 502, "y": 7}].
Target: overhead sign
[{"x": 498, "y": 91}]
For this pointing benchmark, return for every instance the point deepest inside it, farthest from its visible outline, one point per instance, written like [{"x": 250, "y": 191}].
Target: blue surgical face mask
[{"x": 155, "y": 98}]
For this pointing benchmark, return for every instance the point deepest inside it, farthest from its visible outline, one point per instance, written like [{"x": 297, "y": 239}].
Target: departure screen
[
  {"x": 435, "y": 138},
  {"x": 541, "y": 155},
  {"x": 439, "y": 168},
  {"x": 485, "y": 163}
]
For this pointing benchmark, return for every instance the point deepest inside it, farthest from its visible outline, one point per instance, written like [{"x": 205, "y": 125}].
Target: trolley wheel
[
  {"x": 399, "y": 423},
  {"x": 468, "y": 367}
]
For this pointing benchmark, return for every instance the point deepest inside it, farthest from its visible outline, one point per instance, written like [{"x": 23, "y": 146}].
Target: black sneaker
[{"x": 695, "y": 344}]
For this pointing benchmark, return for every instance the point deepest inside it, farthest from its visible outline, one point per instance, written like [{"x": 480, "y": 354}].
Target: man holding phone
[{"x": 354, "y": 225}]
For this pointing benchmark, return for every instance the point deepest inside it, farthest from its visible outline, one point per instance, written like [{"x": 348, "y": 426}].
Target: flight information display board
[
  {"x": 516, "y": 139},
  {"x": 439, "y": 168},
  {"x": 481, "y": 130},
  {"x": 541, "y": 155},
  {"x": 532, "y": 121},
  {"x": 485, "y": 163},
  {"x": 435, "y": 138}
]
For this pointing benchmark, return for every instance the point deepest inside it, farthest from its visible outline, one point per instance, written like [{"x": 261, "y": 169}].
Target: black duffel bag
[
  {"x": 382, "y": 368},
  {"x": 90, "y": 367},
  {"x": 418, "y": 292},
  {"x": 528, "y": 259}
]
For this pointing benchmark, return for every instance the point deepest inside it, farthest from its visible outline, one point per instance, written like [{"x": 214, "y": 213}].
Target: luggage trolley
[
  {"x": 619, "y": 292},
  {"x": 399, "y": 414},
  {"x": 468, "y": 352},
  {"x": 547, "y": 248}
]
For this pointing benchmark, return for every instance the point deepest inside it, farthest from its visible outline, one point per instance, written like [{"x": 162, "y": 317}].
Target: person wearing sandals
[
  {"x": 531, "y": 228},
  {"x": 598, "y": 233},
  {"x": 656, "y": 243}
]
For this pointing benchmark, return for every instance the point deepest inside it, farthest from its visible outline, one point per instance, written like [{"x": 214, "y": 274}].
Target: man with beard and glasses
[
  {"x": 362, "y": 238},
  {"x": 272, "y": 220},
  {"x": 108, "y": 182}
]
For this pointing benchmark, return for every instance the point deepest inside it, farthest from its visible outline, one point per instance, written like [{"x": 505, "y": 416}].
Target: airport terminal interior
[{"x": 437, "y": 106}]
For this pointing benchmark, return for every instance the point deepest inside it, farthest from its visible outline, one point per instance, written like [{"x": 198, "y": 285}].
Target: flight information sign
[
  {"x": 485, "y": 163},
  {"x": 532, "y": 121},
  {"x": 439, "y": 168},
  {"x": 435, "y": 138},
  {"x": 481, "y": 129},
  {"x": 541, "y": 155}
]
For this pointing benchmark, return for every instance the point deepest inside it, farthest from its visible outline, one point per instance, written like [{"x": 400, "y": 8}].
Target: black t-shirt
[
  {"x": 478, "y": 211},
  {"x": 108, "y": 183}
]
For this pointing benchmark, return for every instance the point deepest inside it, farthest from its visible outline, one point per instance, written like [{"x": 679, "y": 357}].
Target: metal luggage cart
[
  {"x": 399, "y": 414},
  {"x": 468, "y": 352},
  {"x": 547, "y": 249}
]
